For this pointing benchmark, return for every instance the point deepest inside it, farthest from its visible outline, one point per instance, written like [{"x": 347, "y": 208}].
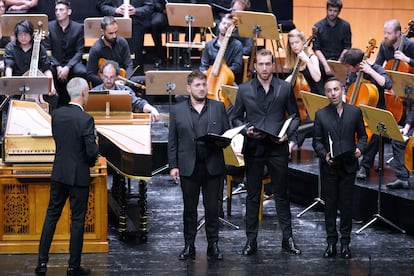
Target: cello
[
  {"x": 363, "y": 92},
  {"x": 298, "y": 82},
  {"x": 395, "y": 104},
  {"x": 219, "y": 73}
]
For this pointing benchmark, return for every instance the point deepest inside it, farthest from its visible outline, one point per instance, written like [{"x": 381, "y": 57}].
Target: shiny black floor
[{"x": 377, "y": 250}]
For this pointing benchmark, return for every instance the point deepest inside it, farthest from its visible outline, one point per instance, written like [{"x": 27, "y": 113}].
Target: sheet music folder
[
  {"x": 221, "y": 140},
  {"x": 282, "y": 131}
]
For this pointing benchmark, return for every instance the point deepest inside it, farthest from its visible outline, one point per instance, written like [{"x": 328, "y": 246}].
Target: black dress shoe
[
  {"x": 78, "y": 271},
  {"x": 289, "y": 246},
  {"x": 213, "y": 252},
  {"x": 188, "y": 253},
  {"x": 41, "y": 269},
  {"x": 398, "y": 184},
  {"x": 249, "y": 248},
  {"x": 330, "y": 251},
  {"x": 345, "y": 251}
]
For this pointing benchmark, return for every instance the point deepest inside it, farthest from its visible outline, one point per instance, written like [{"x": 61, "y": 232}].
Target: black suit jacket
[
  {"x": 269, "y": 117},
  {"x": 76, "y": 149},
  {"x": 181, "y": 144},
  {"x": 342, "y": 132}
]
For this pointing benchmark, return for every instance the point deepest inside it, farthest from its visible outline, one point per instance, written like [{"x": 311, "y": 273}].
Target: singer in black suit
[
  {"x": 76, "y": 150},
  {"x": 263, "y": 103},
  {"x": 198, "y": 164},
  {"x": 339, "y": 122}
]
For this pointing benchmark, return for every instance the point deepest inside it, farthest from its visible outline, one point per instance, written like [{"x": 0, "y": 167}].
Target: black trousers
[
  {"x": 78, "y": 200},
  {"x": 277, "y": 165},
  {"x": 338, "y": 187},
  {"x": 370, "y": 152},
  {"x": 210, "y": 187}
]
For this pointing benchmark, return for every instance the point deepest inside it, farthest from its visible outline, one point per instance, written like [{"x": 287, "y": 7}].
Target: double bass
[
  {"x": 219, "y": 73},
  {"x": 298, "y": 81}
]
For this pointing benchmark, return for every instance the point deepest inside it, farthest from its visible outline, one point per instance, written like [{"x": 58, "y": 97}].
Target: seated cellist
[{"x": 374, "y": 73}]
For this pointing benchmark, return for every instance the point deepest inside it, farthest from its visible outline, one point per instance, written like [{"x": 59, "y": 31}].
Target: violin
[
  {"x": 362, "y": 91},
  {"x": 298, "y": 81},
  {"x": 219, "y": 73},
  {"x": 399, "y": 65}
]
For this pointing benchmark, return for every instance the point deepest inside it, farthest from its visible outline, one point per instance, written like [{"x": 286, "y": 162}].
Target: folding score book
[
  {"x": 220, "y": 140},
  {"x": 282, "y": 131}
]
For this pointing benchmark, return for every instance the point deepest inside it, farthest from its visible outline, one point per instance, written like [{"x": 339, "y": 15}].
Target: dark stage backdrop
[{"x": 81, "y": 9}]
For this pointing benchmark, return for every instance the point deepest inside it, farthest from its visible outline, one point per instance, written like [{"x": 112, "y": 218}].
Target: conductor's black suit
[{"x": 76, "y": 150}]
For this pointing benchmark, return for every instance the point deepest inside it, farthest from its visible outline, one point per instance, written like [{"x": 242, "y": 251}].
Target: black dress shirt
[
  {"x": 66, "y": 45},
  {"x": 332, "y": 40},
  {"x": 386, "y": 53},
  {"x": 19, "y": 60}
]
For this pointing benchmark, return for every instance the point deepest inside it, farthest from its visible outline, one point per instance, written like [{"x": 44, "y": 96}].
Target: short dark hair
[
  {"x": 333, "y": 79},
  {"x": 334, "y": 4},
  {"x": 352, "y": 56},
  {"x": 23, "y": 26},
  {"x": 64, "y": 2},
  {"x": 107, "y": 20},
  {"x": 195, "y": 74}
]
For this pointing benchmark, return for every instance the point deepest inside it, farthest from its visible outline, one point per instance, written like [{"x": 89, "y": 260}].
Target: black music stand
[
  {"x": 184, "y": 15},
  {"x": 257, "y": 25},
  {"x": 313, "y": 102},
  {"x": 382, "y": 123}
]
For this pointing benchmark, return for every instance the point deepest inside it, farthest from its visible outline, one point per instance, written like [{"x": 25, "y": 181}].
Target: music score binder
[
  {"x": 220, "y": 140},
  {"x": 282, "y": 131}
]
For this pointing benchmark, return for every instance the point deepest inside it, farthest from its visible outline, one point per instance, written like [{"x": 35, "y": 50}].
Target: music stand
[
  {"x": 338, "y": 70},
  {"x": 382, "y": 123},
  {"x": 313, "y": 102},
  {"x": 172, "y": 82},
  {"x": 9, "y": 21},
  {"x": 248, "y": 26},
  {"x": 231, "y": 92},
  {"x": 184, "y": 15},
  {"x": 402, "y": 83}
]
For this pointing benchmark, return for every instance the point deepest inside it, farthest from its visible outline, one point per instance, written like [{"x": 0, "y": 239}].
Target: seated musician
[
  {"x": 21, "y": 6},
  {"x": 387, "y": 52},
  {"x": 355, "y": 63},
  {"x": 232, "y": 55},
  {"x": 109, "y": 46},
  {"x": 18, "y": 55},
  {"x": 309, "y": 67},
  {"x": 65, "y": 41},
  {"x": 398, "y": 150},
  {"x": 109, "y": 74}
]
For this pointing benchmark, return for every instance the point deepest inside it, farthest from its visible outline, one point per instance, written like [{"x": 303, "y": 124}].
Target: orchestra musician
[
  {"x": 140, "y": 12},
  {"x": 109, "y": 46},
  {"x": 233, "y": 54},
  {"x": 308, "y": 67},
  {"x": 340, "y": 123},
  {"x": 18, "y": 57},
  {"x": 65, "y": 41},
  {"x": 198, "y": 165},
  {"x": 109, "y": 74},
  {"x": 334, "y": 36},
  {"x": 387, "y": 51},
  {"x": 263, "y": 103},
  {"x": 247, "y": 42},
  {"x": 374, "y": 73}
]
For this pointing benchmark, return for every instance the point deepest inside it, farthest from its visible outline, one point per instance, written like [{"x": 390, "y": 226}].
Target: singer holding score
[
  {"x": 335, "y": 127},
  {"x": 196, "y": 164}
]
